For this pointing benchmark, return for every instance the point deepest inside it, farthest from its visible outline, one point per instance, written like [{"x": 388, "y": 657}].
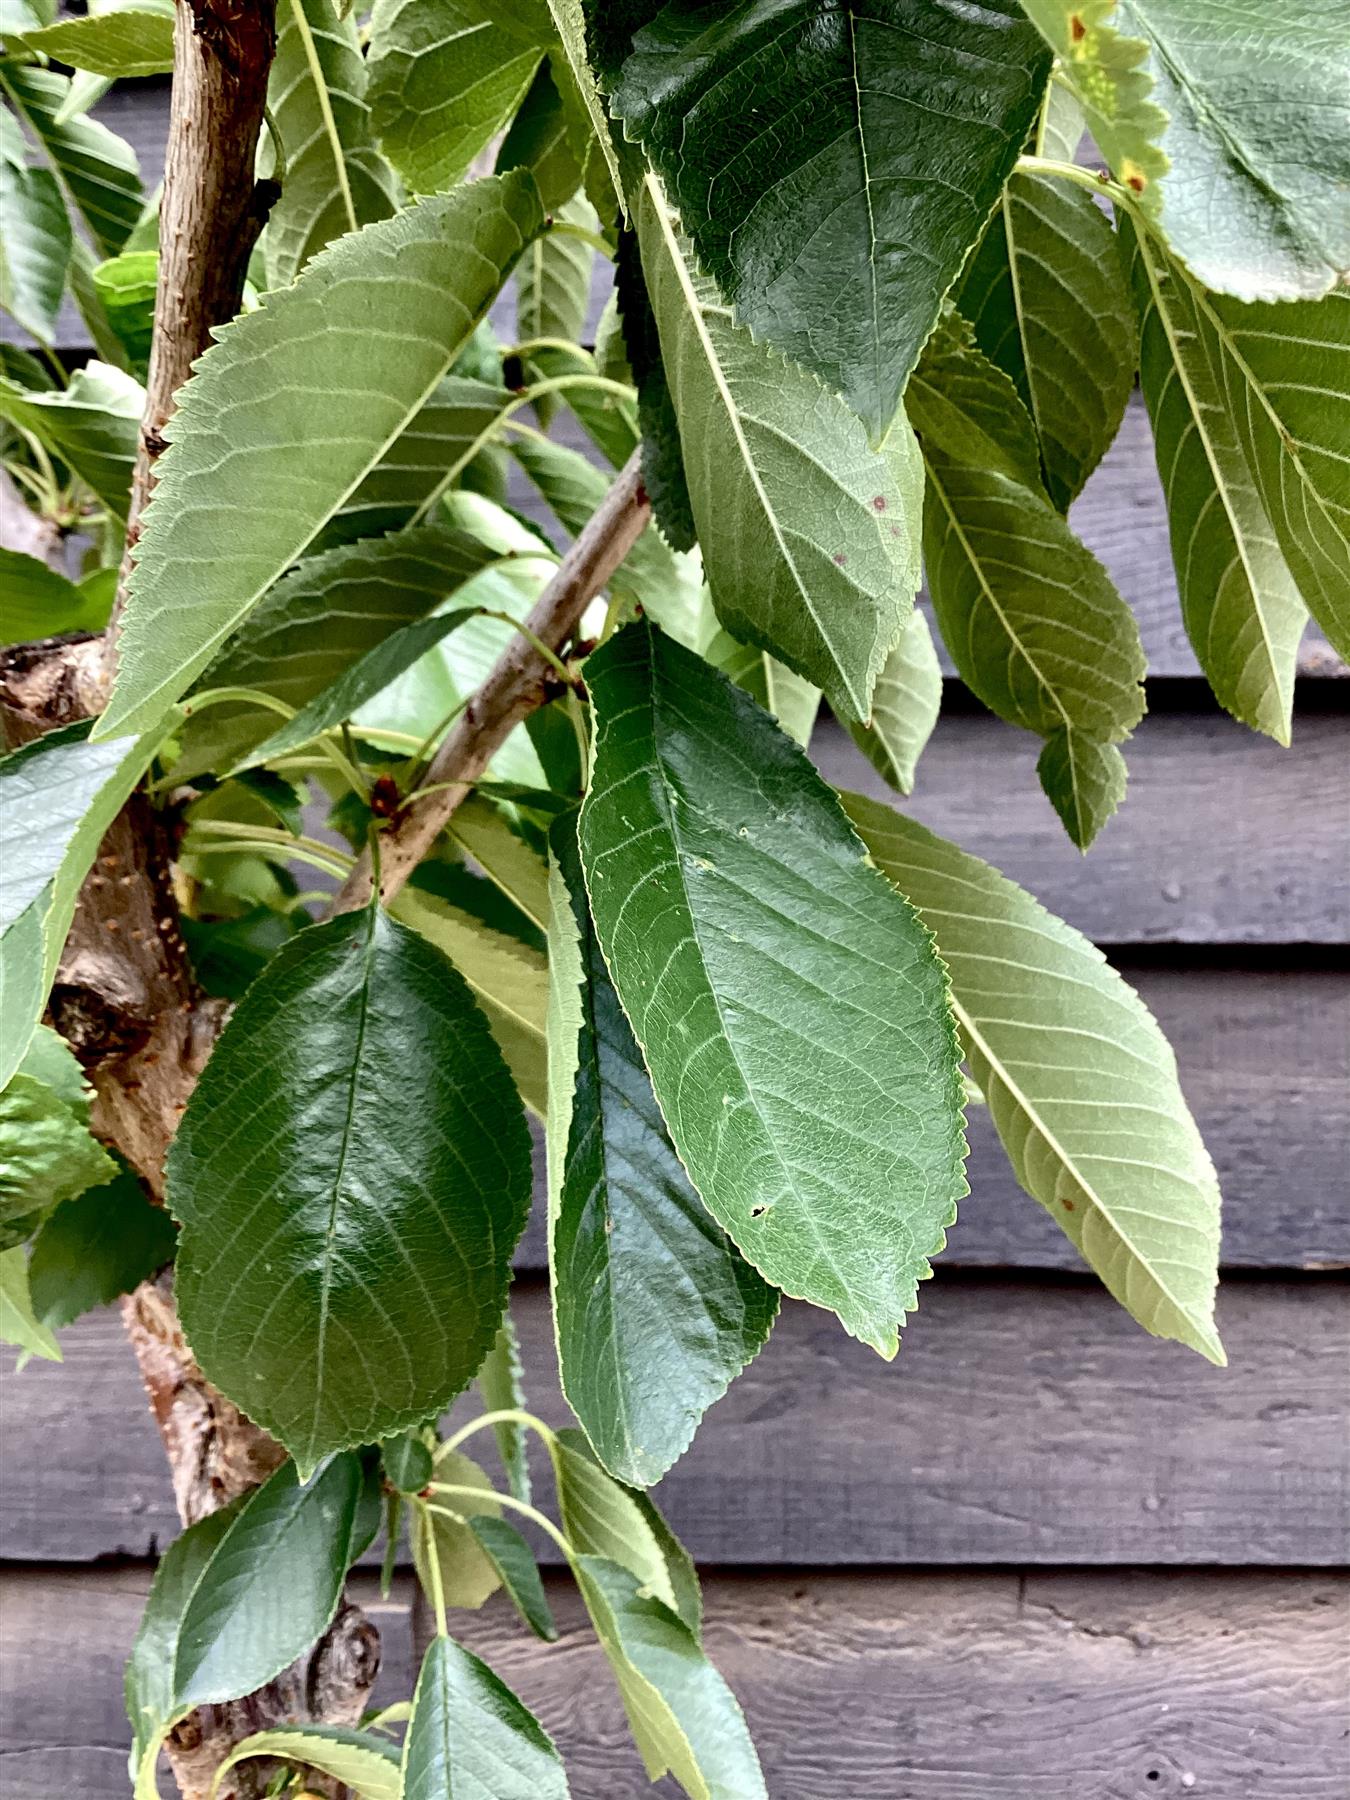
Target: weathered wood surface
[
  {"x": 900, "y": 1687},
  {"x": 1224, "y": 838},
  {"x": 1020, "y": 1424},
  {"x": 1265, "y": 1065}
]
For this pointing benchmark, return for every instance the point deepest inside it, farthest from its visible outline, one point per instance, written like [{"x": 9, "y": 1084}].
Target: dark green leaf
[
  {"x": 97, "y": 1247},
  {"x": 683, "y": 1716},
  {"x": 38, "y": 602},
  {"x": 656, "y": 1310},
  {"x": 228, "y": 955},
  {"x": 1081, "y": 1084},
  {"x": 429, "y": 274},
  {"x": 470, "y": 1737},
  {"x": 351, "y": 1174},
  {"x": 271, "y": 1586},
  {"x": 518, "y": 1572},
  {"x": 790, "y": 1007},
  {"x": 662, "y": 454},
  {"x": 845, "y": 159},
  {"x": 541, "y": 139},
  {"x": 407, "y": 1462}
]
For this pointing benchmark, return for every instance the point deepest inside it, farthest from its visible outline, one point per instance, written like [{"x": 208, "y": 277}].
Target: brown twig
[{"x": 517, "y": 683}]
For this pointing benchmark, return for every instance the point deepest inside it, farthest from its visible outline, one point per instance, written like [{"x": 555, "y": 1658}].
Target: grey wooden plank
[
  {"x": 1223, "y": 838},
  {"x": 1265, "y": 1065},
  {"x": 1021, "y": 1423},
  {"x": 1049, "y": 1686}
]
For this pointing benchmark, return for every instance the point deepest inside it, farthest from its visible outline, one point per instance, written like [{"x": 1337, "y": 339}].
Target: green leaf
[
  {"x": 471, "y": 1738},
  {"x": 656, "y": 1310},
  {"x": 585, "y": 108},
  {"x": 1240, "y": 603},
  {"x": 553, "y": 294},
  {"x": 360, "y": 682},
  {"x": 509, "y": 981},
  {"x": 1252, "y": 106},
  {"x": 445, "y": 77},
  {"x": 319, "y": 620},
  {"x": 1081, "y": 1084},
  {"x": 334, "y": 179},
  {"x": 501, "y": 1382},
  {"x": 35, "y": 253},
  {"x": 662, "y": 453},
  {"x": 92, "y": 424},
  {"x": 518, "y": 1572},
  {"x": 19, "y": 1324},
  {"x": 151, "y": 1700},
  {"x": 1047, "y": 296},
  {"x": 1285, "y": 375},
  {"x": 1033, "y": 621},
  {"x": 834, "y": 227},
  {"x": 905, "y": 707},
  {"x": 364, "y": 1764},
  {"x": 1084, "y": 780},
  {"x": 125, "y": 285},
  {"x": 809, "y": 537},
  {"x": 658, "y": 578},
  {"x": 58, "y": 795},
  {"x": 407, "y": 1462},
  {"x": 602, "y": 1518},
  {"x": 449, "y": 1558},
  {"x": 430, "y": 274},
  {"x": 96, "y": 1247},
  {"x": 683, "y": 1716},
  {"x": 39, "y": 602},
  {"x": 271, "y": 1587},
  {"x": 792, "y": 701},
  {"x": 542, "y": 139},
  {"x": 46, "y": 1152},
  {"x": 50, "y": 1060},
  {"x": 790, "y": 1007},
  {"x": 122, "y": 42},
  {"x": 351, "y": 1175},
  {"x": 96, "y": 169}
]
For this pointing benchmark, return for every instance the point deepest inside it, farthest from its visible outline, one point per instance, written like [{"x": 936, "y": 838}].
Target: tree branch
[{"x": 517, "y": 683}]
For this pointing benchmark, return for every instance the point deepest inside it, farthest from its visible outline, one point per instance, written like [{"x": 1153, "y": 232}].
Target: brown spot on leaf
[
  {"x": 879, "y": 502},
  {"x": 840, "y": 558},
  {"x": 1077, "y": 29}
]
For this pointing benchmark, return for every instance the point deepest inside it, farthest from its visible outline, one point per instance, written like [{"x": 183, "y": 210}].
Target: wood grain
[
  {"x": 1224, "y": 838},
  {"x": 1021, "y": 1423},
  {"x": 1053, "y": 1686}
]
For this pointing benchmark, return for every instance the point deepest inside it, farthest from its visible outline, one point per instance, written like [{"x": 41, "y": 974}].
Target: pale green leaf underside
[
  {"x": 18, "y": 1324},
  {"x": 905, "y": 707},
  {"x": 1241, "y": 606},
  {"x": 357, "y": 1759},
  {"x": 281, "y": 423},
  {"x": 127, "y": 41},
  {"x": 92, "y": 424},
  {"x": 96, "y": 169},
  {"x": 335, "y": 179},
  {"x": 35, "y": 250},
  {"x": 1081, "y": 1084},
  {"x": 809, "y": 537},
  {"x": 791, "y": 1011},
  {"x": 351, "y": 1176},
  {"x": 683, "y": 1716},
  {"x": 445, "y": 77}
]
